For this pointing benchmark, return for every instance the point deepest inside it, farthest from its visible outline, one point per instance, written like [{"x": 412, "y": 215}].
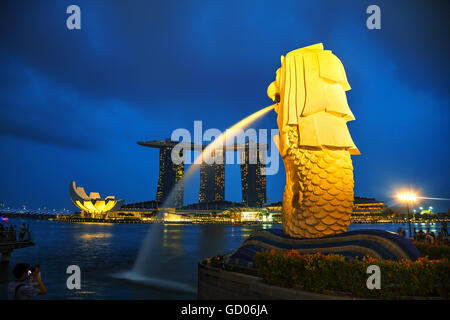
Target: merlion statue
[{"x": 314, "y": 142}]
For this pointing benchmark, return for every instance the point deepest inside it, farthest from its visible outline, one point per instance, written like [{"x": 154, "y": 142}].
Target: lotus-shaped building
[{"x": 92, "y": 206}]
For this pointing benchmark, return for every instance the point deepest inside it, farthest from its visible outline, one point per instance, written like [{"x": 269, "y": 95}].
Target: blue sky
[{"x": 73, "y": 104}]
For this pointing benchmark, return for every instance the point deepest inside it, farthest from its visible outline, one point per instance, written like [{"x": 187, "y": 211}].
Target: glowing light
[
  {"x": 93, "y": 204},
  {"x": 407, "y": 196},
  {"x": 90, "y": 236},
  {"x": 90, "y": 206}
]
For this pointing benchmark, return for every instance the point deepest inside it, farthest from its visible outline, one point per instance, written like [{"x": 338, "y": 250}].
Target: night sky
[{"x": 73, "y": 103}]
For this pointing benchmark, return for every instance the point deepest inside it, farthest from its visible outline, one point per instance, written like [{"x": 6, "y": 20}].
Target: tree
[{"x": 387, "y": 212}]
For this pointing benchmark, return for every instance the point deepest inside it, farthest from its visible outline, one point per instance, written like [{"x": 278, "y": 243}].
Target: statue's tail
[{"x": 324, "y": 181}]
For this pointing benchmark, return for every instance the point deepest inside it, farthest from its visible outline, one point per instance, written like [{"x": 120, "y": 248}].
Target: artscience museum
[{"x": 92, "y": 206}]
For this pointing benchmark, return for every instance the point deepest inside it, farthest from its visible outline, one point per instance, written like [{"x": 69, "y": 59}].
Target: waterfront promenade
[{"x": 204, "y": 220}]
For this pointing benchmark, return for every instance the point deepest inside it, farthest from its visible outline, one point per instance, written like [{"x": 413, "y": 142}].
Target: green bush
[
  {"x": 334, "y": 274},
  {"x": 433, "y": 251}
]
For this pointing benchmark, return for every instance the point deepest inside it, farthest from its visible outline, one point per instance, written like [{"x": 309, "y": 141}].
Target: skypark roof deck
[{"x": 197, "y": 147}]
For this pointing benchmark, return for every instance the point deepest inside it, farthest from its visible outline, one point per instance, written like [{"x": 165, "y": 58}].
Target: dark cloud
[
  {"x": 416, "y": 33},
  {"x": 34, "y": 108},
  {"x": 137, "y": 70},
  {"x": 148, "y": 50},
  {"x": 14, "y": 128}
]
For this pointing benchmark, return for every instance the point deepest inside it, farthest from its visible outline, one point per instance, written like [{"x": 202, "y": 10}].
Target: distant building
[
  {"x": 92, "y": 206},
  {"x": 274, "y": 206},
  {"x": 169, "y": 173},
  {"x": 212, "y": 205},
  {"x": 246, "y": 214},
  {"x": 153, "y": 204},
  {"x": 253, "y": 178},
  {"x": 212, "y": 176},
  {"x": 212, "y": 180},
  {"x": 363, "y": 206}
]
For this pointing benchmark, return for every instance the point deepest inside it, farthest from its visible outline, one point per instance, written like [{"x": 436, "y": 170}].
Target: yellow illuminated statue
[{"x": 314, "y": 142}]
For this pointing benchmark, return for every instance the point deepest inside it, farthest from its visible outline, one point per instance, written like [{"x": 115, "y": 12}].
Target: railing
[{"x": 12, "y": 237}]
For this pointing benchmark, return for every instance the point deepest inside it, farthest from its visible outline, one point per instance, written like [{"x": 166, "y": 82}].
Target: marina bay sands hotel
[{"x": 212, "y": 176}]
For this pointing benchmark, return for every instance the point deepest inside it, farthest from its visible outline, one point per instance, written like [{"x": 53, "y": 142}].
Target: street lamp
[{"x": 407, "y": 197}]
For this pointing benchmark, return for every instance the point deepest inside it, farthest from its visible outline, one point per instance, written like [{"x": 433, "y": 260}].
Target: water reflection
[
  {"x": 211, "y": 240},
  {"x": 172, "y": 238},
  {"x": 91, "y": 236},
  {"x": 247, "y": 231},
  {"x": 103, "y": 250}
]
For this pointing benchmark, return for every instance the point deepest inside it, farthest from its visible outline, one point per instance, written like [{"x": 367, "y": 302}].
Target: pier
[{"x": 9, "y": 242}]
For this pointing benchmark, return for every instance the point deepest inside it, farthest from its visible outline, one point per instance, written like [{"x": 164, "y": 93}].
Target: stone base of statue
[
  {"x": 377, "y": 244},
  {"x": 234, "y": 276}
]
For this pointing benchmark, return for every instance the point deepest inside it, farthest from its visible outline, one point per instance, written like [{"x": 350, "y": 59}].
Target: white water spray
[{"x": 145, "y": 270}]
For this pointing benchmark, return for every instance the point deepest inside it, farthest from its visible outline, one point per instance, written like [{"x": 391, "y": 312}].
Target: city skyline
[
  {"x": 212, "y": 175},
  {"x": 74, "y": 103}
]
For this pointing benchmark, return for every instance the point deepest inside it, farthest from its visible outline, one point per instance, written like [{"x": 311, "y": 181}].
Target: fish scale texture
[{"x": 318, "y": 198}]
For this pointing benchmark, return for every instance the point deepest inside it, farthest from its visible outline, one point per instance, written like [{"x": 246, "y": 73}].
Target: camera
[{"x": 32, "y": 269}]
